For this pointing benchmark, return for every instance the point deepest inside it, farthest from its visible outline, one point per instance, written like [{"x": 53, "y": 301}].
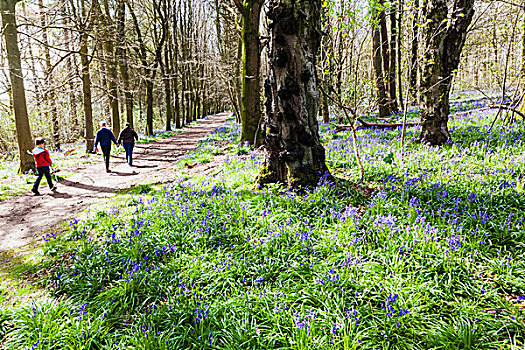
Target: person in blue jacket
[{"x": 105, "y": 137}]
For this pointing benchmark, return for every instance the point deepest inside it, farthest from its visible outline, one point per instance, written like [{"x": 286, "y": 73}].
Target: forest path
[{"x": 24, "y": 217}]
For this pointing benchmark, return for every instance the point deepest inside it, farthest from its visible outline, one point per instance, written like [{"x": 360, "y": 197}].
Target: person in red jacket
[{"x": 43, "y": 162}]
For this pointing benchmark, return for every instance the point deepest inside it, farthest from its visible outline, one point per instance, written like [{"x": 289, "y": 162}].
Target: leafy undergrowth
[{"x": 432, "y": 259}]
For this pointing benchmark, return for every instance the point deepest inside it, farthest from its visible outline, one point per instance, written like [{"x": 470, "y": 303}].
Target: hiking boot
[
  {"x": 108, "y": 171},
  {"x": 35, "y": 191}
]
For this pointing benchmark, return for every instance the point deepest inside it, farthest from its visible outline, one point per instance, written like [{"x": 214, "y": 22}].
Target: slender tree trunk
[
  {"x": 377, "y": 58},
  {"x": 178, "y": 120},
  {"x": 149, "y": 103},
  {"x": 523, "y": 52},
  {"x": 32, "y": 65},
  {"x": 393, "y": 58},
  {"x": 86, "y": 92},
  {"x": 23, "y": 130},
  {"x": 412, "y": 76},
  {"x": 112, "y": 81},
  {"x": 296, "y": 157},
  {"x": 444, "y": 40},
  {"x": 251, "y": 61},
  {"x": 50, "y": 95},
  {"x": 167, "y": 87},
  {"x": 123, "y": 60},
  {"x": 73, "y": 116},
  {"x": 399, "y": 37}
]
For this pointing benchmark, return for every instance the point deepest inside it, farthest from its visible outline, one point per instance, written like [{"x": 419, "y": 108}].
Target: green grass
[{"x": 426, "y": 253}]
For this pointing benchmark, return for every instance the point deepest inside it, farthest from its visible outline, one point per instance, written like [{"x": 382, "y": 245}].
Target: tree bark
[
  {"x": 123, "y": 60},
  {"x": 50, "y": 95},
  {"x": 108, "y": 35},
  {"x": 393, "y": 58},
  {"x": 23, "y": 130},
  {"x": 523, "y": 52},
  {"x": 399, "y": 37},
  {"x": 86, "y": 91},
  {"x": 73, "y": 116},
  {"x": 251, "y": 88},
  {"x": 149, "y": 105},
  {"x": 412, "y": 76},
  {"x": 85, "y": 24},
  {"x": 444, "y": 40},
  {"x": 295, "y": 157},
  {"x": 377, "y": 61}
]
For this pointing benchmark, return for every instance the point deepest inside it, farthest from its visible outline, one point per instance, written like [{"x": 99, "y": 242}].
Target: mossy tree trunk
[
  {"x": 295, "y": 156},
  {"x": 444, "y": 38},
  {"x": 23, "y": 130}
]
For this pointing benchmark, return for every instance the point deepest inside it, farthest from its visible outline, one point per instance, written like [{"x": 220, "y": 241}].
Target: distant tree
[
  {"x": 23, "y": 130},
  {"x": 295, "y": 157},
  {"x": 444, "y": 37}
]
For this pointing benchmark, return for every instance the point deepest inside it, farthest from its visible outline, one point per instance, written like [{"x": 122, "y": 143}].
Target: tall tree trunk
[
  {"x": 377, "y": 61},
  {"x": 296, "y": 157},
  {"x": 73, "y": 116},
  {"x": 32, "y": 66},
  {"x": 175, "y": 54},
  {"x": 413, "y": 68},
  {"x": 149, "y": 103},
  {"x": 523, "y": 53},
  {"x": 112, "y": 81},
  {"x": 50, "y": 95},
  {"x": 23, "y": 130},
  {"x": 86, "y": 91},
  {"x": 167, "y": 86},
  {"x": 444, "y": 40},
  {"x": 123, "y": 60},
  {"x": 393, "y": 58},
  {"x": 85, "y": 75},
  {"x": 399, "y": 37},
  {"x": 251, "y": 88}
]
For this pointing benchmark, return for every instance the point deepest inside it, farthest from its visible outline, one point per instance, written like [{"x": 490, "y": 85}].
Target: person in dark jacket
[
  {"x": 43, "y": 162},
  {"x": 127, "y": 139},
  {"x": 105, "y": 137}
]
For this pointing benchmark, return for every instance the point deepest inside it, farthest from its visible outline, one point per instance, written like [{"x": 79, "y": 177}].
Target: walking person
[
  {"x": 105, "y": 137},
  {"x": 127, "y": 139},
  {"x": 43, "y": 163}
]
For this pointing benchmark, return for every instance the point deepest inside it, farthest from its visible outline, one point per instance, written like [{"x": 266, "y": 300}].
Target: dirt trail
[{"x": 24, "y": 217}]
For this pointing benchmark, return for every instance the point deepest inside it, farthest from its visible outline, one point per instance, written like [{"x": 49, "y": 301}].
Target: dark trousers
[
  {"x": 43, "y": 170},
  {"x": 106, "y": 150},
  {"x": 128, "y": 147}
]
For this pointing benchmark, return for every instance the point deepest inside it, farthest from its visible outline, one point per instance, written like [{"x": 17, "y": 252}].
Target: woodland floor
[{"x": 23, "y": 218}]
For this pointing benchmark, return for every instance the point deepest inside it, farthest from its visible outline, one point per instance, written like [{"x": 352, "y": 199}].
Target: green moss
[{"x": 266, "y": 176}]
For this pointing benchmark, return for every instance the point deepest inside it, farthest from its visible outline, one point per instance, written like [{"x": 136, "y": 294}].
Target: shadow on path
[{"x": 87, "y": 187}]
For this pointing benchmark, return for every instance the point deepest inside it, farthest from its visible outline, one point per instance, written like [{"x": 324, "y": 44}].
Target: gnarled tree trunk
[
  {"x": 444, "y": 39},
  {"x": 296, "y": 157}
]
